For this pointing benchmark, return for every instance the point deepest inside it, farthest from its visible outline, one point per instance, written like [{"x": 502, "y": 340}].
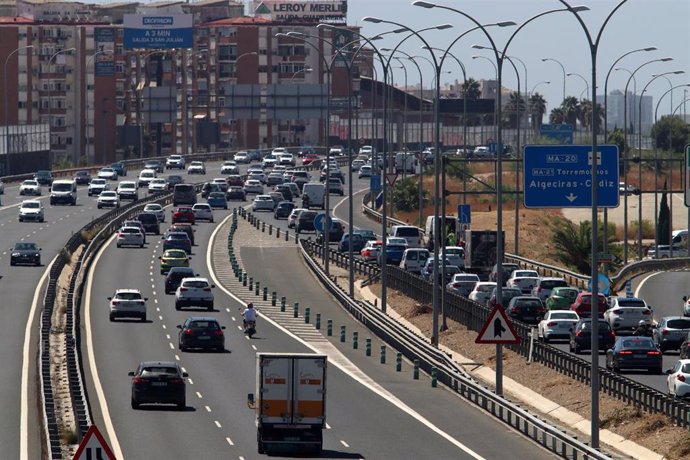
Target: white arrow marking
[{"x": 571, "y": 197}]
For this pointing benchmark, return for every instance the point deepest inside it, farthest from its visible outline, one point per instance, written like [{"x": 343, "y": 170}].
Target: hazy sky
[{"x": 637, "y": 24}]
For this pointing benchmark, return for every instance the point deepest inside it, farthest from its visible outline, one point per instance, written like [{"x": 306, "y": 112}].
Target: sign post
[{"x": 498, "y": 329}]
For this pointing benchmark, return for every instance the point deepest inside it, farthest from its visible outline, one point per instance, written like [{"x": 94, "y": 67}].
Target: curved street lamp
[
  {"x": 562, "y": 68},
  {"x": 575, "y": 74},
  {"x": 7, "y": 122}
]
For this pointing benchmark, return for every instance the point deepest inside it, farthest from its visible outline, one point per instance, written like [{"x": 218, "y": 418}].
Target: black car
[
  {"x": 156, "y": 165},
  {"x": 82, "y": 178},
  {"x": 634, "y": 353},
  {"x": 120, "y": 167},
  {"x": 158, "y": 382},
  {"x": 526, "y": 308},
  {"x": 173, "y": 181},
  {"x": 44, "y": 177},
  {"x": 150, "y": 222},
  {"x": 235, "y": 192},
  {"x": 335, "y": 234},
  {"x": 25, "y": 253},
  {"x": 177, "y": 240},
  {"x": 183, "y": 227},
  {"x": 285, "y": 190},
  {"x": 201, "y": 332},
  {"x": 305, "y": 221},
  {"x": 581, "y": 335},
  {"x": 283, "y": 209},
  {"x": 175, "y": 276}
]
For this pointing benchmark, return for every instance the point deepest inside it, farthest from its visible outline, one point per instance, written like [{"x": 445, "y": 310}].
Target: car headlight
[{"x": 15, "y": 254}]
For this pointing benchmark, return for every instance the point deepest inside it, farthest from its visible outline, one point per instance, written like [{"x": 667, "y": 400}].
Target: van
[
  {"x": 412, "y": 234},
  {"x": 451, "y": 227},
  {"x": 63, "y": 191},
  {"x": 679, "y": 237},
  {"x": 413, "y": 259},
  {"x": 314, "y": 195},
  {"x": 184, "y": 194}
]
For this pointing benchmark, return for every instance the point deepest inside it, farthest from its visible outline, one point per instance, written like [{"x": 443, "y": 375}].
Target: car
[
  {"x": 107, "y": 173},
  {"x": 229, "y": 167},
  {"x": 263, "y": 203},
  {"x": 634, "y": 353},
  {"x": 234, "y": 180},
  {"x": 305, "y": 221},
  {"x": 158, "y": 185},
  {"x": 357, "y": 242},
  {"x": 300, "y": 178},
  {"x": 482, "y": 292},
  {"x": 217, "y": 200},
  {"x": 146, "y": 176},
  {"x": 183, "y": 214},
  {"x": 175, "y": 276},
  {"x": 292, "y": 218},
  {"x": 293, "y": 187},
  {"x": 524, "y": 280},
  {"x": 236, "y": 192},
  {"x": 356, "y": 164},
  {"x": 396, "y": 240},
  {"x": 367, "y": 235},
  {"x": 209, "y": 187},
  {"x": 173, "y": 180},
  {"x": 97, "y": 186},
  {"x": 286, "y": 159},
  {"x": 196, "y": 167},
  {"x": 82, "y": 177},
  {"x": 128, "y": 303},
  {"x": 670, "y": 332},
  {"x": 201, "y": 332},
  {"x": 335, "y": 185},
  {"x": 30, "y": 187},
  {"x": 455, "y": 255},
  {"x": 556, "y": 325},
  {"x": 394, "y": 252},
  {"x": 526, "y": 308},
  {"x": 194, "y": 292},
  {"x": 241, "y": 157},
  {"x": 335, "y": 150},
  {"x": 128, "y": 190},
  {"x": 269, "y": 161},
  {"x": 108, "y": 199},
  {"x": 506, "y": 295},
  {"x": 628, "y": 190},
  {"x": 277, "y": 197},
  {"x": 544, "y": 286},
  {"x": 120, "y": 167},
  {"x": 25, "y": 252},
  {"x": 157, "y": 209},
  {"x": 158, "y": 382},
  {"x": 177, "y": 240},
  {"x": 561, "y": 298},
  {"x": 257, "y": 175},
  {"x": 364, "y": 171},
  {"x": 44, "y": 177},
  {"x": 156, "y": 165},
  {"x": 135, "y": 223},
  {"x": 335, "y": 233},
  {"x": 150, "y": 222},
  {"x": 203, "y": 211},
  {"x": 508, "y": 268},
  {"x": 310, "y": 158},
  {"x": 130, "y": 236},
  {"x": 221, "y": 183},
  {"x": 463, "y": 283},
  {"x": 583, "y": 304},
  {"x": 581, "y": 335},
  {"x": 678, "y": 379},
  {"x": 175, "y": 162},
  {"x": 253, "y": 186},
  {"x": 371, "y": 250},
  {"x": 173, "y": 258},
  {"x": 183, "y": 227},
  {"x": 273, "y": 178},
  {"x": 31, "y": 210},
  {"x": 283, "y": 209},
  {"x": 625, "y": 314}
]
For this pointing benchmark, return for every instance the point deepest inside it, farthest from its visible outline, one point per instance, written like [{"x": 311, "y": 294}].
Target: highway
[{"x": 364, "y": 418}]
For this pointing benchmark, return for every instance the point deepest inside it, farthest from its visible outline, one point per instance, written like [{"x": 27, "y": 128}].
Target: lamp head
[
  {"x": 386, "y": 49},
  {"x": 478, "y": 47},
  {"x": 650, "y": 48},
  {"x": 678, "y": 72},
  {"x": 580, "y": 8},
  {"x": 666, "y": 59},
  {"x": 506, "y": 24},
  {"x": 423, "y": 4},
  {"x": 372, "y": 20},
  {"x": 443, "y": 26}
]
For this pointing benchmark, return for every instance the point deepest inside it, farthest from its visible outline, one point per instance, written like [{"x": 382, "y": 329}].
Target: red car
[
  {"x": 583, "y": 305},
  {"x": 183, "y": 214},
  {"x": 309, "y": 158}
]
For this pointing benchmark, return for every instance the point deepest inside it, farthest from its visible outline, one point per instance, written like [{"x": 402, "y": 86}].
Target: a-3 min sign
[{"x": 560, "y": 176}]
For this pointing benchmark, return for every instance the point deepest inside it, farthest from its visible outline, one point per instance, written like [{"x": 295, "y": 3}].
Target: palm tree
[
  {"x": 473, "y": 91},
  {"x": 514, "y": 108},
  {"x": 537, "y": 108},
  {"x": 557, "y": 116},
  {"x": 571, "y": 110},
  {"x": 584, "y": 115}
]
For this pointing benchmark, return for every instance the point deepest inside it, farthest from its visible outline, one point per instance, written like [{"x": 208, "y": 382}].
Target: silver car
[
  {"x": 264, "y": 203},
  {"x": 157, "y": 209},
  {"x": 31, "y": 210},
  {"x": 130, "y": 236}
]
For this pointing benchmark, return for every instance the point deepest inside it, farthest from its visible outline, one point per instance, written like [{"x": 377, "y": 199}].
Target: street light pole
[
  {"x": 6, "y": 116},
  {"x": 575, "y": 74},
  {"x": 50, "y": 95},
  {"x": 498, "y": 92},
  {"x": 562, "y": 68}
]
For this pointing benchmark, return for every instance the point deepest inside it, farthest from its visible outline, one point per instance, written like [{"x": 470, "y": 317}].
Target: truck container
[
  {"x": 480, "y": 251},
  {"x": 290, "y": 401}
]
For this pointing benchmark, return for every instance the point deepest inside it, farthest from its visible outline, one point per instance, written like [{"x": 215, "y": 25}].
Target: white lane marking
[
  {"x": 177, "y": 357},
  {"x": 208, "y": 409},
  {"x": 198, "y": 395},
  {"x": 183, "y": 369},
  {"x": 339, "y": 360},
  {"x": 167, "y": 336},
  {"x": 232, "y": 317},
  {"x": 644, "y": 280},
  {"x": 227, "y": 310},
  {"x": 239, "y": 327},
  {"x": 230, "y": 442},
  {"x": 328, "y": 427},
  {"x": 24, "y": 412},
  {"x": 191, "y": 382},
  {"x": 164, "y": 327},
  {"x": 254, "y": 347},
  {"x": 344, "y": 443},
  {"x": 172, "y": 347},
  {"x": 160, "y": 317},
  {"x": 217, "y": 424}
]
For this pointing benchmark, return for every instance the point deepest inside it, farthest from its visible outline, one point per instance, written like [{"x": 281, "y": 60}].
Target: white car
[
  {"x": 203, "y": 211},
  {"x": 229, "y": 167},
  {"x": 30, "y": 187},
  {"x": 263, "y": 203},
  {"x": 482, "y": 292},
  {"x": 678, "y": 380},
  {"x": 108, "y": 199},
  {"x": 556, "y": 324},
  {"x": 364, "y": 171},
  {"x": 97, "y": 186},
  {"x": 463, "y": 283},
  {"x": 260, "y": 176},
  {"x": 194, "y": 292},
  {"x": 127, "y": 303},
  {"x": 31, "y": 210},
  {"x": 287, "y": 159},
  {"x": 241, "y": 157},
  {"x": 625, "y": 314},
  {"x": 158, "y": 185},
  {"x": 253, "y": 186},
  {"x": 366, "y": 150},
  {"x": 269, "y": 160},
  {"x": 292, "y": 218},
  {"x": 175, "y": 161},
  {"x": 157, "y": 209},
  {"x": 356, "y": 164},
  {"x": 524, "y": 280},
  {"x": 371, "y": 250},
  {"x": 127, "y": 190},
  {"x": 146, "y": 176},
  {"x": 130, "y": 236},
  {"x": 196, "y": 167},
  {"x": 107, "y": 173}
]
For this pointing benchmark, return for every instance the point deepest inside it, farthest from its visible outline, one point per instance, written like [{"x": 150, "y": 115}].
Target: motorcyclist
[
  {"x": 305, "y": 201},
  {"x": 249, "y": 315},
  {"x": 644, "y": 329}
]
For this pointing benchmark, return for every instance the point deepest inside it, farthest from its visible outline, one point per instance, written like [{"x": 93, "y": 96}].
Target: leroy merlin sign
[{"x": 330, "y": 11}]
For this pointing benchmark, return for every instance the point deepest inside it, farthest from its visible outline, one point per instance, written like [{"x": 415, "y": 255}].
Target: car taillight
[
  {"x": 218, "y": 332},
  {"x": 647, "y": 312},
  {"x": 115, "y": 302},
  {"x": 184, "y": 289},
  {"x": 664, "y": 331},
  {"x": 625, "y": 352},
  {"x": 654, "y": 352},
  {"x": 552, "y": 324},
  {"x": 680, "y": 377},
  {"x": 207, "y": 289},
  {"x": 456, "y": 285},
  {"x": 177, "y": 381},
  {"x": 140, "y": 381},
  {"x": 612, "y": 334},
  {"x": 187, "y": 332},
  {"x": 578, "y": 333}
]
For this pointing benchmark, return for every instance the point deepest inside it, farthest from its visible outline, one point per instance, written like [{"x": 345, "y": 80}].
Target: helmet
[{"x": 642, "y": 322}]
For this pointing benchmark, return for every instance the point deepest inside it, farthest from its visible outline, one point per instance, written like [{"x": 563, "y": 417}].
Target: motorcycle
[{"x": 250, "y": 328}]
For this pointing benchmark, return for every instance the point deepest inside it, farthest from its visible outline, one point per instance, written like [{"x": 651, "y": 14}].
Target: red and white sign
[
  {"x": 391, "y": 178},
  {"x": 93, "y": 447},
  {"x": 497, "y": 329}
]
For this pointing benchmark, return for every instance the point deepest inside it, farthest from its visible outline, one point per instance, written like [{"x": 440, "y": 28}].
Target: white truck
[{"x": 290, "y": 401}]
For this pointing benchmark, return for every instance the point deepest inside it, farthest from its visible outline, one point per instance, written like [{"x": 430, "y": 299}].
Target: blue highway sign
[
  {"x": 319, "y": 221},
  {"x": 464, "y": 214},
  {"x": 559, "y": 176},
  {"x": 375, "y": 183}
]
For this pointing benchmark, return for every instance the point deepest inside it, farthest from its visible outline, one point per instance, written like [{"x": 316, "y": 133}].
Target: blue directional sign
[
  {"x": 559, "y": 176},
  {"x": 319, "y": 221},
  {"x": 375, "y": 183},
  {"x": 464, "y": 214},
  {"x": 563, "y": 133}
]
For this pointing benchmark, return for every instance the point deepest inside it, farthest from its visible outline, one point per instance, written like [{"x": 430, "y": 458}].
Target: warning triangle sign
[
  {"x": 391, "y": 178},
  {"x": 93, "y": 446},
  {"x": 497, "y": 329}
]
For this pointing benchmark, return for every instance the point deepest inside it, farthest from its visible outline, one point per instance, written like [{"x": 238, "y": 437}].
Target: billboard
[
  {"x": 158, "y": 31},
  {"x": 562, "y": 133},
  {"x": 104, "y": 65},
  {"x": 313, "y": 11}
]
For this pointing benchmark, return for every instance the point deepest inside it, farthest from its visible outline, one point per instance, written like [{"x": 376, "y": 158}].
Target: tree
[
  {"x": 514, "y": 109},
  {"x": 571, "y": 110},
  {"x": 663, "y": 228},
  {"x": 406, "y": 195},
  {"x": 537, "y": 109},
  {"x": 473, "y": 91},
  {"x": 573, "y": 244},
  {"x": 557, "y": 116},
  {"x": 671, "y": 133},
  {"x": 617, "y": 137},
  {"x": 584, "y": 113}
]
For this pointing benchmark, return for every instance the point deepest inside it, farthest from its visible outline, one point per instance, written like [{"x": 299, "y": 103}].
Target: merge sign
[
  {"x": 560, "y": 176},
  {"x": 158, "y": 31}
]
